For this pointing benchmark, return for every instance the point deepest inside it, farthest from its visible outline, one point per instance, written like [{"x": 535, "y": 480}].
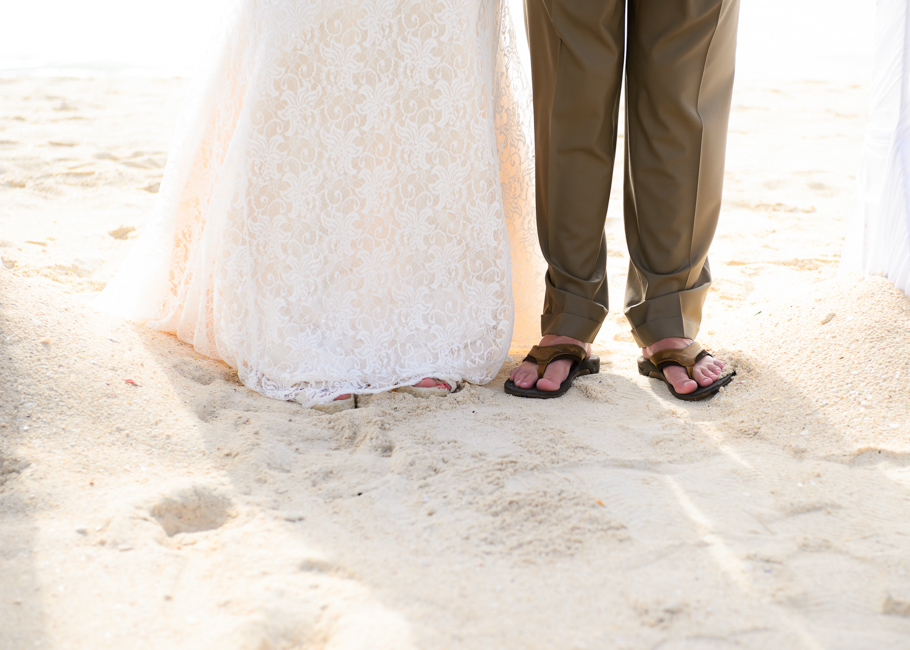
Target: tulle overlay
[
  {"x": 878, "y": 239},
  {"x": 348, "y": 204}
]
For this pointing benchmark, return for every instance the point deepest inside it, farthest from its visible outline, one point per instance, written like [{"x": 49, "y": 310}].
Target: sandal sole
[
  {"x": 590, "y": 366},
  {"x": 648, "y": 369}
]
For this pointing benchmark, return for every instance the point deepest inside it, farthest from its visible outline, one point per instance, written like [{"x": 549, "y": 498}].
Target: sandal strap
[
  {"x": 686, "y": 357},
  {"x": 544, "y": 355}
]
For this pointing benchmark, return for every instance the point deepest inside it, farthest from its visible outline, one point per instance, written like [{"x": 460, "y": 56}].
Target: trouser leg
[
  {"x": 679, "y": 69},
  {"x": 576, "y": 64}
]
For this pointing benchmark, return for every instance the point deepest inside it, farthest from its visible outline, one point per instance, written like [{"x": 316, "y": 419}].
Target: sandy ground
[{"x": 147, "y": 500}]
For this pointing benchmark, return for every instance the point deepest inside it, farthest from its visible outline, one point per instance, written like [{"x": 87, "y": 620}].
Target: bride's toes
[{"x": 432, "y": 382}]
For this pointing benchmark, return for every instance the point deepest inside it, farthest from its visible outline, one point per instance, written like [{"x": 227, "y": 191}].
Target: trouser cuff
[{"x": 672, "y": 315}]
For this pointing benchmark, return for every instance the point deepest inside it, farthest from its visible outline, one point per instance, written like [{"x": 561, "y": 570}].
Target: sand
[{"x": 148, "y": 500}]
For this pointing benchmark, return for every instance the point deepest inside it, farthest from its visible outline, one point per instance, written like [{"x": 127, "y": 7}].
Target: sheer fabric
[
  {"x": 349, "y": 202},
  {"x": 878, "y": 239}
]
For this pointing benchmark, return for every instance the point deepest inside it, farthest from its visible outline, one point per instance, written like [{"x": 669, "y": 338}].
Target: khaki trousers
[{"x": 679, "y": 58}]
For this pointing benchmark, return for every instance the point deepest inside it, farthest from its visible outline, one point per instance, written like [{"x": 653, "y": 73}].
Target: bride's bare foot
[
  {"x": 427, "y": 387},
  {"x": 429, "y": 382},
  {"x": 525, "y": 375},
  {"x": 340, "y": 403},
  {"x": 707, "y": 369}
]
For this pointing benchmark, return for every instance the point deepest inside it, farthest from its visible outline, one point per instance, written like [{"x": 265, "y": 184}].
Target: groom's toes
[
  {"x": 523, "y": 378},
  {"x": 709, "y": 372},
  {"x": 554, "y": 376},
  {"x": 517, "y": 375},
  {"x": 680, "y": 380},
  {"x": 547, "y": 384}
]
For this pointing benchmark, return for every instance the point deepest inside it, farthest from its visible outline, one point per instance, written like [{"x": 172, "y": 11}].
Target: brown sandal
[
  {"x": 544, "y": 355},
  {"x": 687, "y": 358}
]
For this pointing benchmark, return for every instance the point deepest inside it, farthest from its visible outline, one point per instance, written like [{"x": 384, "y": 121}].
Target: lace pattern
[{"x": 349, "y": 202}]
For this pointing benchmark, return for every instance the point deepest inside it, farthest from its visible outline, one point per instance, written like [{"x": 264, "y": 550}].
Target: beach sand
[{"x": 148, "y": 500}]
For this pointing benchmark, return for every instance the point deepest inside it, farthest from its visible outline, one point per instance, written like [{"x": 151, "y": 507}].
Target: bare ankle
[{"x": 671, "y": 342}]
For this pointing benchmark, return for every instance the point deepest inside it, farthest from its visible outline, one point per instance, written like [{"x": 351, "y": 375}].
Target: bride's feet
[
  {"x": 427, "y": 387},
  {"x": 429, "y": 382},
  {"x": 340, "y": 403}
]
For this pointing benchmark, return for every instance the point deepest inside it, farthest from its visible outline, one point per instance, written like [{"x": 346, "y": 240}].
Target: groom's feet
[
  {"x": 525, "y": 375},
  {"x": 707, "y": 369}
]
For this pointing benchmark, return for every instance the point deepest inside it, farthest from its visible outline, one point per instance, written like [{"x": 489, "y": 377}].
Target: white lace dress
[
  {"x": 878, "y": 239},
  {"x": 348, "y": 206}
]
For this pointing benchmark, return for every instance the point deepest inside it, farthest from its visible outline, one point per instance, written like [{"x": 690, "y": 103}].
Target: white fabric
[
  {"x": 349, "y": 202},
  {"x": 878, "y": 238}
]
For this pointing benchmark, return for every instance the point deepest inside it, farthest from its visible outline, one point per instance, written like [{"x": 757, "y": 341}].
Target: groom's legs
[
  {"x": 680, "y": 76},
  {"x": 577, "y": 62},
  {"x": 576, "y": 65},
  {"x": 680, "y": 58}
]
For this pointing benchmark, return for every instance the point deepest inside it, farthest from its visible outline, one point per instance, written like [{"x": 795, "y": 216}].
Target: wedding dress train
[{"x": 348, "y": 206}]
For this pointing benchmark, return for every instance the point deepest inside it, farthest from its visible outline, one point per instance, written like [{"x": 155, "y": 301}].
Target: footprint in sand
[
  {"x": 152, "y": 520},
  {"x": 10, "y": 467},
  {"x": 193, "y": 509},
  {"x": 363, "y": 430}
]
